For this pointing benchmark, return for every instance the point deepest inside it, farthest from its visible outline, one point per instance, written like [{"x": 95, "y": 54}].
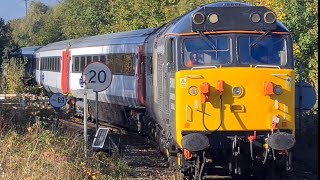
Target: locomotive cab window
[
  {"x": 214, "y": 50},
  {"x": 270, "y": 50}
]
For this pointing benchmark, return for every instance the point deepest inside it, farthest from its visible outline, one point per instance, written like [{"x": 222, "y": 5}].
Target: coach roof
[{"x": 128, "y": 37}]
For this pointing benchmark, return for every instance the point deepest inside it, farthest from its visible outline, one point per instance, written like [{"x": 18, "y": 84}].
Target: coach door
[{"x": 65, "y": 71}]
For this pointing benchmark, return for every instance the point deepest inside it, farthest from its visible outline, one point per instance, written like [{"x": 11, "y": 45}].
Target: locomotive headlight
[
  {"x": 193, "y": 91},
  {"x": 255, "y": 17},
  {"x": 213, "y": 18},
  {"x": 277, "y": 90},
  {"x": 237, "y": 91},
  {"x": 269, "y": 17},
  {"x": 198, "y": 18}
]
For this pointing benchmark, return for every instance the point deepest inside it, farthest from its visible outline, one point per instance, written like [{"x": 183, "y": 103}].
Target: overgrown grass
[{"x": 42, "y": 153}]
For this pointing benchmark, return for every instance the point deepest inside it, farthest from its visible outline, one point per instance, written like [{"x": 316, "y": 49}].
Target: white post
[{"x": 85, "y": 117}]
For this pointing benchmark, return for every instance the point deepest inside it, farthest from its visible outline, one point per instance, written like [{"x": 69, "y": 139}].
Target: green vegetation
[
  {"x": 11, "y": 77},
  {"x": 40, "y": 152}
]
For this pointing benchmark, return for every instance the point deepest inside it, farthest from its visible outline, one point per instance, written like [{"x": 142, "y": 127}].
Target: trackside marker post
[{"x": 57, "y": 100}]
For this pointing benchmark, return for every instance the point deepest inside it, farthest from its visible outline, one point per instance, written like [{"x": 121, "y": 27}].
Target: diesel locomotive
[{"x": 215, "y": 87}]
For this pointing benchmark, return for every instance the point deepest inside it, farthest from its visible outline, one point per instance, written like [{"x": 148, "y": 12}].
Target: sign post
[
  {"x": 85, "y": 92},
  {"x": 85, "y": 133},
  {"x": 57, "y": 101},
  {"x": 99, "y": 79}
]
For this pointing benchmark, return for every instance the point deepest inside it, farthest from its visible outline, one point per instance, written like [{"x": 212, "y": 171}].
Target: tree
[
  {"x": 6, "y": 41},
  {"x": 302, "y": 21},
  {"x": 26, "y": 31},
  {"x": 85, "y": 18}
]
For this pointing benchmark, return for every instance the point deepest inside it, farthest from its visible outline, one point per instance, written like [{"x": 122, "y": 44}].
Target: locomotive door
[
  {"x": 65, "y": 66},
  {"x": 168, "y": 103}
]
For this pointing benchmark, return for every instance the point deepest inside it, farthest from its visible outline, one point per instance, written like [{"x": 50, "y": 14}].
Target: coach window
[
  {"x": 48, "y": 64},
  {"x": 89, "y": 59},
  {"x": 59, "y": 60},
  {"x": 42, "y": 63},
  {"x": 128, "y": 64},
  {"x": 82, "y": 62},
  {"x": 95, "y": 58},
  {"x": 118, "y": 64},
  {"x": 109, "y": 61},
  {"x": 37, "y": 63},
  {"x": 77, "y": 64},
  {"x": 46, "y": 60},
  {"x": 103, "y": 59},
  {"x": 45, "y": 63},
  {"x": 52, "y": 64},
  {"x": 56, "y": 64}
]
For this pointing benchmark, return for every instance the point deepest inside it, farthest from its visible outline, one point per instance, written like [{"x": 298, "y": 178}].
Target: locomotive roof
[
  {"x": 183, "y": 24},
  {"x": 127, "y": 37}
]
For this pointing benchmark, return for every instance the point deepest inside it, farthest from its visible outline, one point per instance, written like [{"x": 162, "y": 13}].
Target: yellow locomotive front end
[{"x": 234, "y": 96}]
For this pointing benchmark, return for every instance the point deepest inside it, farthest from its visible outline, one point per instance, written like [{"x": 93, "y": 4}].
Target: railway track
[{"x": 139, "y": 152}]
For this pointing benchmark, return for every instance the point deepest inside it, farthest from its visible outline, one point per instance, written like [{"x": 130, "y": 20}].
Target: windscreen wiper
[
  {"x": 259, "y": 38},
  {"x": 208, "y": 41}
]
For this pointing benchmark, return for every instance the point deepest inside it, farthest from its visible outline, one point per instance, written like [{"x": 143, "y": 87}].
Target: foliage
[
  {"x": 39, "y": 151},
  {"x": 84, "y": 18},
  {"x": 42, "y": 154},
  {"x": 6, "y": 42},
  {"x": 12, "y": 73},
  {"x": 26, "y": 31}
]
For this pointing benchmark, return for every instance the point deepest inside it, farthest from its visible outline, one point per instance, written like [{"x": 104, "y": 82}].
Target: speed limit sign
[
  {"x": 57, "y": 100},
  {"x": 98, "y": 76}
]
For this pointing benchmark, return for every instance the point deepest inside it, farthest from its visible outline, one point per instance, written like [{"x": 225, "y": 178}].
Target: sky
[{"x": 14, "y": 9}]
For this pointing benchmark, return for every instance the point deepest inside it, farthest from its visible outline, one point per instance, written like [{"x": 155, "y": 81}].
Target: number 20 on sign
[{"x": 98, "y": 76}]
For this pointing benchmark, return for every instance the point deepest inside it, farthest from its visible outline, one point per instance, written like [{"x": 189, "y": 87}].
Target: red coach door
[{"x": 65, "y": 71}]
